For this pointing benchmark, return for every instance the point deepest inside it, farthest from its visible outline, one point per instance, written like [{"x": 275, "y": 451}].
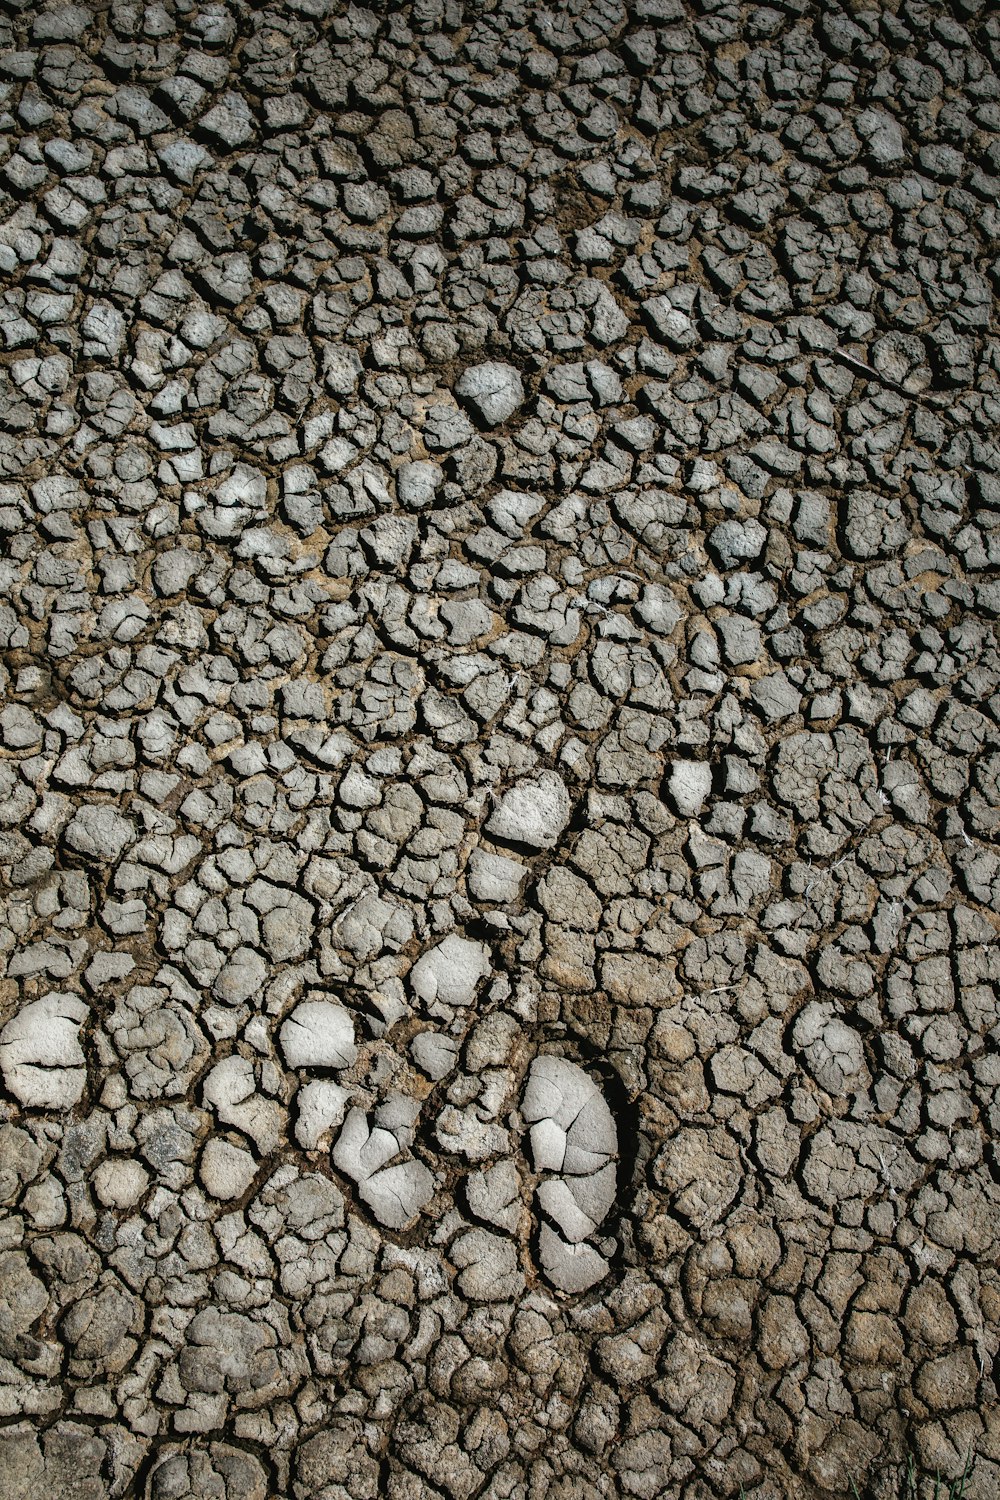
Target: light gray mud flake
[
  {"x": 120, "y": 1182},
  {"x": 226, "y": 1171},
  {"x": 579, "y": 1208},
  {"x": 489, "y": 1269},
  {"x": 41, "y": 1058},
  {"x": 573, "y": 1134},
  {"x": 776, "y": 697},
  {"x": 320, "y": 1105},
  {"x": 103, "y": 332},
  {"x": 396, "y": 1192},
  {"x": 494, "y": 1195},
  {"x": 883, "y": 137},
  {"x": 230, "y": 121},
  {"x": 418, "y": 483},
  {"x": 449, "y": 973},
  {"x": 494, "y": 391},
  {"x": 832, "y": 1050},
  {"x": 243, "y": 485},
  {"x": 231, "y": 1089},
  {"x": 671, "y": 324},
  {"x": 735, "y": 543},
  {"x": 570, "y": 1267},
  {"x": 241, "y": 977},
  {"x": 512, "y": 511},
  {"x": 689, "y": 783},
  {"x": 100, "y": 831},
  {"x": 434, "y": 1053},
  {"x": 318, "y": 1034},
  {"x": 370, "y": 925},
  {"x": 494, "y": 877},
  {"x": 534, "y": 812}
]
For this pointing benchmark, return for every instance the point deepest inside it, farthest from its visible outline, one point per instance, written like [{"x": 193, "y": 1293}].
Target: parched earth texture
[{"x": 500, "y": 759}]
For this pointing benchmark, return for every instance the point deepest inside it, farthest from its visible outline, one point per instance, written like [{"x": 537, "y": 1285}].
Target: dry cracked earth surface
[{"x": 499, "y": 779}]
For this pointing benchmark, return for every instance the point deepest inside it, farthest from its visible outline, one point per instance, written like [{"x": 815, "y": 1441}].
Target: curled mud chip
[
  {"x": 493, "y": 390},
  {"x": 395, "y": 1191},
  {"x": 100, "y": 832},
  {"x": 232, "y": 1090},
  {"x": 40, "y": 1054},
  {"x": 690, "y": 783},
  {"x": 318, "y": 1034},
  {"x": 574, "y": 1138},
  {"x": 226, "y": 1170},
  {"x": 320, "y": 1105},
  {"x": 534, "y": 812},
  {"x": 449, "y": 973},
  {"x": 571, "y": 1268}
]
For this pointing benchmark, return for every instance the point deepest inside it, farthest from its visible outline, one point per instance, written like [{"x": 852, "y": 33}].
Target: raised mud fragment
[
  {"x": 41, "y": 1059},
  {"x": 573, "y": 1140},
  {"x": 534, "y": 812}
]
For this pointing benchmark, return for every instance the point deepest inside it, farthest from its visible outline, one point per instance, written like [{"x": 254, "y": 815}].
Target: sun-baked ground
[{"x": 500, "y": 759}]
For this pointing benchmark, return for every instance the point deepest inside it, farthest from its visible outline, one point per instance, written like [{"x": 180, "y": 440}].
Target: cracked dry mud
[{"x": 499, "y": 777}]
